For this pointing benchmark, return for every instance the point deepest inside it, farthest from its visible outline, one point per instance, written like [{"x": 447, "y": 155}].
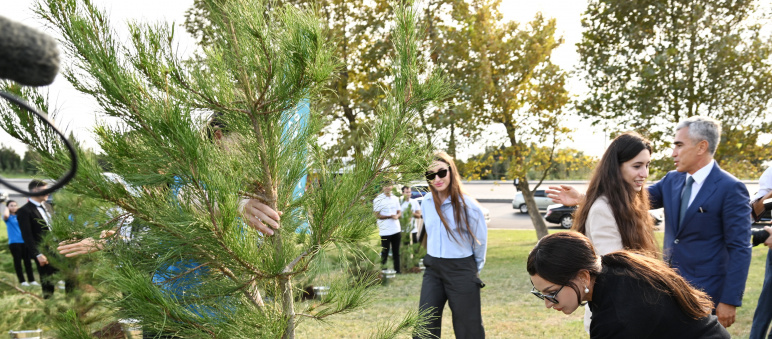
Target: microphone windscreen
[{"x": 27, "y": 56}]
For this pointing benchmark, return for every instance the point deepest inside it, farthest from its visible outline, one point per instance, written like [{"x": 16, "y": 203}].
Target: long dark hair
[
  {"x": 456, "y": 190},
  {"x": 630, "y": 208},
  {"x": 560, "y": 257}
]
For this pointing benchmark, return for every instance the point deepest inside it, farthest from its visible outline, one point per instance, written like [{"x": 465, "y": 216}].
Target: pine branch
[{"x": 21, "y": 291}]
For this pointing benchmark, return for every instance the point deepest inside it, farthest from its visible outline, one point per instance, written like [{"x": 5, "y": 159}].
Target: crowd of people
[
  {"x": 690, "y": 287},
  {"x": 697, "y": 280}
]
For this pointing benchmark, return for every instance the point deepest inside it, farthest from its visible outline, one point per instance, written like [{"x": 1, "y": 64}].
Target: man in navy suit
[
  {"x": 707, "y": 233},
  {"x": 707, "y": 217}
]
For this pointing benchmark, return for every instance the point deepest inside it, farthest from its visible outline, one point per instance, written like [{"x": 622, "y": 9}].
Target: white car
[
  {"x": 540, "y": 196},
  {"x": 487, "y": 214}
]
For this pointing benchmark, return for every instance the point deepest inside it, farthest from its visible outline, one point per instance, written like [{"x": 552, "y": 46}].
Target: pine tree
[{"x": 268, "y": 64}]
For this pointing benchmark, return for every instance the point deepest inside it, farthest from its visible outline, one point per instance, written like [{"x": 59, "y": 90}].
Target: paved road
[{"x": 504, "y": 217}]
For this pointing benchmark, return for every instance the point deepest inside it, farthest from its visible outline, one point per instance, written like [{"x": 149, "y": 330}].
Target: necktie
[{"x": 685, "y": 199}]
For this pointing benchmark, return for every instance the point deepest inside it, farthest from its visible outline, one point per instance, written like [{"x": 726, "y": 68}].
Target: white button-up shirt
[
  {"x": 387, "y": 206},
  {"x": 43, "y": 212},
  {"x": 440, "y": 244}
]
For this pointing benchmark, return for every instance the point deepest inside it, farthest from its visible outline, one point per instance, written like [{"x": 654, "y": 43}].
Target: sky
[{"x": 78, "y": 113}]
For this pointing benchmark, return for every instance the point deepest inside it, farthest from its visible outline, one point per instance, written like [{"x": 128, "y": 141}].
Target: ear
[
  {"x": 702, "y": 147},
  {"x": 584, "y": 277}
]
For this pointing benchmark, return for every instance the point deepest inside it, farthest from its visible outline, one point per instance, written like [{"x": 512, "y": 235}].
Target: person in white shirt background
[
  {"x": 388, "y": 211},
  {"x": 415, "y": 211}
]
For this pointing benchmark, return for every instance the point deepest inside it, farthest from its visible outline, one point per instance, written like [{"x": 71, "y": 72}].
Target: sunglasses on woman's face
[
  {"x": 550, "y": 297},
  {"x": 441, "y": 173}
]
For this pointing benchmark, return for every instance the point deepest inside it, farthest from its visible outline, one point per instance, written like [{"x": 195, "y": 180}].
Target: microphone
[{"x": 27, "y": 56}]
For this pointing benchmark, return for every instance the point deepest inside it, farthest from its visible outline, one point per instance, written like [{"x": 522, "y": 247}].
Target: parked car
[
  {"x": 561, "y": 214},
  {"x": 487, "y": 214},
  {"x": 564, "y": 215},
  {"x": 418, "y": 191},
  {"x": 540, "y": 196}
]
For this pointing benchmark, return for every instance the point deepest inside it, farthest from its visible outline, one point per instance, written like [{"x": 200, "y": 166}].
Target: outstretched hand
[
  {"x": 564, "y": 194},
  {"x": 260, "y": 216},
  {"x": 74, "y": 248}
]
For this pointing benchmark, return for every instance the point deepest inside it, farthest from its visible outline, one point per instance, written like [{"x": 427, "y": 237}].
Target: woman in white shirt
[
  {"x": 614, "y": 214},
  {"x": 456, "y": 243}
]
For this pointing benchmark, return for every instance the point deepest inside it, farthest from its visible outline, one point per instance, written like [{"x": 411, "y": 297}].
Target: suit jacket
[
  {"x": 711, "y": 249},
  {"x": 33, "y": 227}
]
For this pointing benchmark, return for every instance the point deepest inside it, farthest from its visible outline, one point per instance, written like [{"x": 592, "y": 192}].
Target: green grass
[
  {"x": 15, "y": 175},
  {"x": 509, "y": 310}
]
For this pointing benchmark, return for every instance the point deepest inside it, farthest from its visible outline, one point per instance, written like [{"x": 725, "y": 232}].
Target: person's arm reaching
[
  {"x": 564, "y": 194},
  {"x": 260, "y": 216}
]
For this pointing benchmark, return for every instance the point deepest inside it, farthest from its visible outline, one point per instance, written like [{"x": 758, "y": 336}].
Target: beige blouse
[{"x": 602, "y": 229}]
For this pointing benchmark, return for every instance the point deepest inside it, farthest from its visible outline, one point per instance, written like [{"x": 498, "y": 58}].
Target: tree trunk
[
  {"x": 533, "y": 210},
  {"x": 288, "y": 304},
  {"x": 452, "y": 141}
]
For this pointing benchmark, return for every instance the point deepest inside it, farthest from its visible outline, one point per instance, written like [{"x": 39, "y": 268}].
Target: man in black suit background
[{"x": 34, "y": 222}]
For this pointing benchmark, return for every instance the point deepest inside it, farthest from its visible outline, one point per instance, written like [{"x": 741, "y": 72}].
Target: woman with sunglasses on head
[
  {"x": 631, "y": 295},
  {"x": 456, "y": 243}
]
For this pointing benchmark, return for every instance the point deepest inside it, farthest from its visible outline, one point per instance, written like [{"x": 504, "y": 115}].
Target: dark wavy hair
[
  {"x": 560, "y": 257},
  {"x": 456, "y": 190},
  {"x": 630, "y": 207}
]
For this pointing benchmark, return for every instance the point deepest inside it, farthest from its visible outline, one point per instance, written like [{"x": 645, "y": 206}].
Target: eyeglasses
[
  {"x": 551, "y": 298},
  {"x": 441, "y": 173}
]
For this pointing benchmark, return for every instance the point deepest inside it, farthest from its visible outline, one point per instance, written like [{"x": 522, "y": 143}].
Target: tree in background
[
  {"x": 265, "y": 64},
  {"x": 10, "y": 162},
  {"x": 651, "y": 63},
  {"x": 519, "y": 88},
  {"x": 360, "y": 38},
  {"x": 495, "y": 162}
]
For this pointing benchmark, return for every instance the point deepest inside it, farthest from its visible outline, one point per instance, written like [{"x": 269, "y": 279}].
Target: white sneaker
[
  {"x": 25, "y": 284},
  {"x": 60, "y": 284},
  {"x": 34, "y": 283}
]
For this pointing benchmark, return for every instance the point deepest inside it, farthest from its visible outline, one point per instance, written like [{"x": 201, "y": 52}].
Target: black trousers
[
  {"x": 454, "y": 281},
  {"x": 393, "y": 242},
  {"x": 19, "y": 254},
  {"x": 47, "y": 280}
]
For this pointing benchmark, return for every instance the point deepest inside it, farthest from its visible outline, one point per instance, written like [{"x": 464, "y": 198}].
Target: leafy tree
[
  {"x": 359, "y": 35},
  {"x": 519, "y": 88},
  {"x": 495, "y": 162},
  {"x": 267, "y": 63},
  {"x": 10, "y": 161},
  {"x": 651, "y": 63}
]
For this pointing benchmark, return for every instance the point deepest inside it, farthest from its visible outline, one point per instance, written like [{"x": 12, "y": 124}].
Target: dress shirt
[
  {"x": 387, "y": 206},
  {"x": 765, "y": 184},
  {"x": 440, "y": 244},
  {"x": 699, "y": 179},
  {"x": 43, "y": 212}
]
